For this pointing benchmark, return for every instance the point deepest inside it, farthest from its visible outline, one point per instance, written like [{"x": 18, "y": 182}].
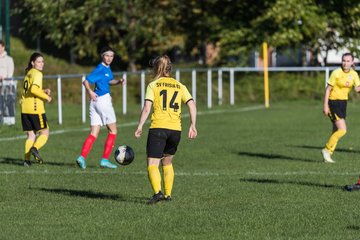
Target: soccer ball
[{"x": 124, "y": 155}]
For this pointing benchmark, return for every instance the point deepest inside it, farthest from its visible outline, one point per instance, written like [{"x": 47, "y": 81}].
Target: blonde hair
[{"x": 161, "y": 67}]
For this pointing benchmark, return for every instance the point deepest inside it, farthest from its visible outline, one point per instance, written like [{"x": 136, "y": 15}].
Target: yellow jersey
[
  {"x": 342, "y": 83},
  {"x": 167, "y": 94},
  {"x": 32, "y": 100}
]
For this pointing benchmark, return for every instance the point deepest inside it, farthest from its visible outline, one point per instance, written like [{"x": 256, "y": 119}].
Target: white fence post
[
  {"x": 83, "y": 99},
  {"x": 124, "y": 95},
  {"x": 142, "y": 88},
  {"x": 209, "y": 87},
  {"x": 193, "y": 84},
  {"x": 59, "y": 99},
  {"x": 232, "y": 99},
  {"x": 220, "y": 83},
  {"x": 177, "y": 75},
  {"x": 327, "y": 74},
  {"x": 220, "y": 88}
]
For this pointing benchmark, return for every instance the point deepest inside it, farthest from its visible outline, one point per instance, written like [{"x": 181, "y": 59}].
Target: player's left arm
[
  {"x": 121, "y": 81},
  {"x": 357, "y": 83},
  {"x": 37, "y": 91},
  {"x": 187, "y": 98}
]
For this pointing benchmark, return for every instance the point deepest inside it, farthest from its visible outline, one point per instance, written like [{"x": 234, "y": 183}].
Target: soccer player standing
[
  {"x": 33, "y": 117},
  {"x": 101, "y": 108},
  {"x": 337, "y": 90},
  {"x": 165, "y": 95}
]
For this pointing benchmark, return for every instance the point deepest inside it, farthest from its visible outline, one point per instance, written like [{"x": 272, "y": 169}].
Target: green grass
[{"x": 250, "y": 174}]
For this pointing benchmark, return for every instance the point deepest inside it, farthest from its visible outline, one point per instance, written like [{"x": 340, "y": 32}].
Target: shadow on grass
[
  {"x": 273, "y": 181},
  {"x": 319, "y": 148},
  {"x": 13, "y": 161},
  {"x": 91, "y": 195},
  {"x": 18, "y": 161},
  {"x": 81, "y": 193},
  {"x": 353, "y": 227},
  {"x": 275, "y": 157}
]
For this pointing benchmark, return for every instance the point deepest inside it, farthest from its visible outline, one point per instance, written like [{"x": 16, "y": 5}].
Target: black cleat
[
  {"x": 168, "y": 199},
  {"x": 352, "y": 188},
  {"x": 156, "y": 198},
  {"x": 27, "y": 163},
  {"x": 36, "y": 155}
]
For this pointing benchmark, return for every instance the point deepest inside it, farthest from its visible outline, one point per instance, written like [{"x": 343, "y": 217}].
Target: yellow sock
[
  {"x": 154, "y": 177},
  {"x": 40, "y": 141},
  {"x": 333, "y": 140},
  {"x": 168, "y": 179},
  {"x": 28, "y": 145}
]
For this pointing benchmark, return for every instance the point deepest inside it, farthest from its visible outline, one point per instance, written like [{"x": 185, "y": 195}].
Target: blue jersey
[{"x": 101, "y": 77}]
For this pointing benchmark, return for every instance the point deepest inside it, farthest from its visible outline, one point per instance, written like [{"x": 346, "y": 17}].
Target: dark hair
[
  {"x": 2, "y": 43},
  {"x": 106, "y": 49},
  {"x": 33, "y": 58},
  {"x": 161, "y": 66},
  {"x": 352, "y": 57}
]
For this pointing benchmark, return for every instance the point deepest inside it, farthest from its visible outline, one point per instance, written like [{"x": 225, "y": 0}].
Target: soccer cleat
[
  {"x": 81, "y": 162},
  {"x": 27, "y": 163},
  {"x": 352, "y": 188},
  {"x": 36, "y": 155},
  {"x": 327, "y": 156},
  {"x": 168, "y": 199},
  {"x": 156, "y": 198},
  {"x": 104, "y": 163}
]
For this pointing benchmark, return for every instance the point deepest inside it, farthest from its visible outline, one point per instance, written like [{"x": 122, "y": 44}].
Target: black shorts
[
  {"x": 162, "y": 142},
  {"x": 33, "y": 122},
  {"x": 337, "y": 109}
]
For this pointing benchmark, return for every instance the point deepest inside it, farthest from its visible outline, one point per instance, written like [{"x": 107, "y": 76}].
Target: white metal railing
[{"x": 194, "y": 72}]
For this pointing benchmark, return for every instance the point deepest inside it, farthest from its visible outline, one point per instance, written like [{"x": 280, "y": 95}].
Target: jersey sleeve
[
  {"x": 94, "y": 76},
  {"x": 149, "y": 93},
  {"x": 37, "y": 91},
  {"x": 37, "y": 78},
  {"x": 186, "y": 96}
]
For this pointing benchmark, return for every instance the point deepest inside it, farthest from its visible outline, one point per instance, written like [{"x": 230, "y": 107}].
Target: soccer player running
[
  {"x": 337, "y": 90},
  {"x": 33, "y": 117},
  {"x": 101, "y": 108},
  {"x": 165, "y": 95}
]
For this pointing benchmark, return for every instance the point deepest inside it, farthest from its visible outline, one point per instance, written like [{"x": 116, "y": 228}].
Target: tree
[
  {"x": 316, "y": 26},
  {"x": 139, "y": 29},
  {"x": 134, "y": 28}
]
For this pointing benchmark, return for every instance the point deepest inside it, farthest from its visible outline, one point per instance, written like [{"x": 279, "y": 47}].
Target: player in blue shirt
[{"x": 101, "y": 108}]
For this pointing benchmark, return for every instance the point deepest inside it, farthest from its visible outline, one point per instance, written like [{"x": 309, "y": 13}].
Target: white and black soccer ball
[{"x": 124, "y": 155}]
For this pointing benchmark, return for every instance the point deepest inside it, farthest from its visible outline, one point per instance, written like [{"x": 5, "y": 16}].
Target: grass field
[{"x": 251, "y": 174}]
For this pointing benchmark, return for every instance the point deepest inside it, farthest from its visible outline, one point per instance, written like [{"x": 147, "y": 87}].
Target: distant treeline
[{"x": 209, "y": 32}]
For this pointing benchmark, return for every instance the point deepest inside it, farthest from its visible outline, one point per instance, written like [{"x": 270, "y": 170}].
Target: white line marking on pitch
[
  {"x": 179, "y": 173},
  {"x": 131, "y": 124}
]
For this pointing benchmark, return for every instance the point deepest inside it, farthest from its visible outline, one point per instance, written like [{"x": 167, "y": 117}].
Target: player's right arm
[
  {"x": 192, "y": 109},
  {"x": 326, "y": 99},
  {"x": 91, "y": 93}
]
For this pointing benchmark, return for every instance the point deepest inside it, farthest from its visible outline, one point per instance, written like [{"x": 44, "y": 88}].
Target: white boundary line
[
  {"x": 131, "y": 124},
  {"x": 194, "y": 174}
]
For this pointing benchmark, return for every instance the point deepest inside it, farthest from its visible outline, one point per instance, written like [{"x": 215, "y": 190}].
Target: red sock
[
  {"x": 89, "y": 141},
  {"x": 109, "y": 144},
  {"x": 358, "y": 181}
]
